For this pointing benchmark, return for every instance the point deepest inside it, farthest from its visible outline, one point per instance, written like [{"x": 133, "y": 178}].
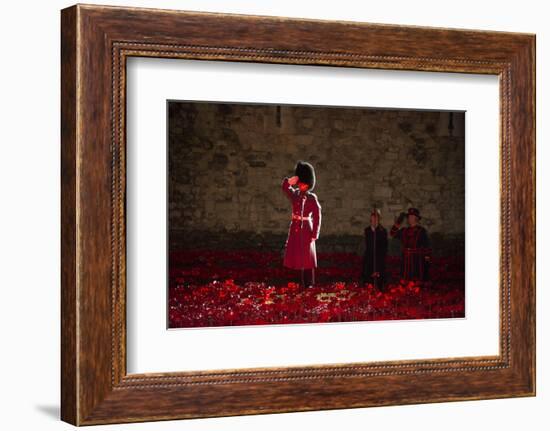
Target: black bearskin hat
[{"x": 306, "y": 174}]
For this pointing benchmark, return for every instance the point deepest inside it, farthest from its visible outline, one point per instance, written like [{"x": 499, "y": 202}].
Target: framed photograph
[
  {"x": 320, "y": 214},
  {"x": 237, "y": 254}
]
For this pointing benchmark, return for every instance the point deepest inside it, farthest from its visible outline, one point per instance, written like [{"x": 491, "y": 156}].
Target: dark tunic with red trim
[
  {"x": 300, "y": 249},
  {"x": 415, "y": 246},
  {"x": 374, "y": 259}
]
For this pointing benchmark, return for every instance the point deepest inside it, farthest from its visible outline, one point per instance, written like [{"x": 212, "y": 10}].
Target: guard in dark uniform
[
  {"x": 376, "y": 248},
  {"x": 415, "y": 246}
]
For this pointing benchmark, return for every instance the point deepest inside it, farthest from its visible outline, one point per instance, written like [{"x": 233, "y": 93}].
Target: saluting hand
[
  {"x": 293, "y": 180},
  {"x": 400, "y": 219}
]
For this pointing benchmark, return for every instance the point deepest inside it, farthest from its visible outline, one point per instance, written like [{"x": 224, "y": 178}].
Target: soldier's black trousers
[{"x": 307, "y": 277}]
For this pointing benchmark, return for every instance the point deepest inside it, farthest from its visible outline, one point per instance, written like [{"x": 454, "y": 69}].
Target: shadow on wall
[{"x": 442, "y": 244}]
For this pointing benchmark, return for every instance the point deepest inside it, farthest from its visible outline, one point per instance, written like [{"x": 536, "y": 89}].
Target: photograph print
[{"x": 293, "y": 214}]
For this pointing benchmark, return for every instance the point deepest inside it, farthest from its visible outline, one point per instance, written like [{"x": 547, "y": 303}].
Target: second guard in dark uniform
[
  {"x": 415, "y": 246},
  {"x": 376, "y": 248}
]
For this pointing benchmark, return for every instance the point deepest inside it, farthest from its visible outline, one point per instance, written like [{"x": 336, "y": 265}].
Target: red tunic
[
  {"x": 300, "y": 244},
  {"x": 415, "y": 246}
]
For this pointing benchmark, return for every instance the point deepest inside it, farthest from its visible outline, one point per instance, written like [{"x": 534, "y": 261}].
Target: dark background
[{"x": 227, "y": 161}]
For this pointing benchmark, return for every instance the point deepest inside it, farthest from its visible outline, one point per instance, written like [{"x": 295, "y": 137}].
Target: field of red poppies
[{"x": 225, "y": 288}]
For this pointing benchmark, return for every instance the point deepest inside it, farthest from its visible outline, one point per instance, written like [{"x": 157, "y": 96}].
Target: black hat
[
  {"x": 306, "y": 174},
  {"x": 415, "y": 212}
]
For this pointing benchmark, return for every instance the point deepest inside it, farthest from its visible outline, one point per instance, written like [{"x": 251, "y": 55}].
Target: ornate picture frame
[{"x": 96, "y": 41}]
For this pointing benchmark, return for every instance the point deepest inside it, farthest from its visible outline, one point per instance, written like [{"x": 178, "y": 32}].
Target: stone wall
[{"x": 227, "y": 161}]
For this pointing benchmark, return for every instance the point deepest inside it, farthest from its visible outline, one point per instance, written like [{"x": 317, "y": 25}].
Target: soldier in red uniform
[
  {"x": 415, "y": 246},
  {"x": 300, "y": 252}
]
